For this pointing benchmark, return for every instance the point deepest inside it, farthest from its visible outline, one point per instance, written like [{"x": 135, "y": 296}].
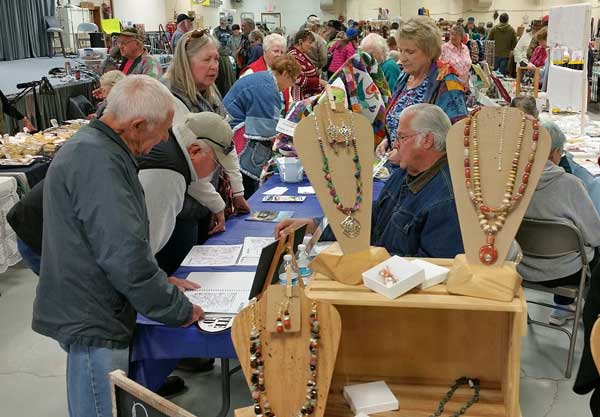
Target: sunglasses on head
[
  {"x": 226, "y": 149},
  {"x": 196, "y": 34}
]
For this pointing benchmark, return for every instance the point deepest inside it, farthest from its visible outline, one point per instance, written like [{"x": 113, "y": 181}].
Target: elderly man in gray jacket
[{"x": 98, "y": 269}]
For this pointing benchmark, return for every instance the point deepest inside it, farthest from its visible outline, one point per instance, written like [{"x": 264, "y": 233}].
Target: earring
[
  {"x": 287, "y": 321},
  {"x": 278, "y": 322}
]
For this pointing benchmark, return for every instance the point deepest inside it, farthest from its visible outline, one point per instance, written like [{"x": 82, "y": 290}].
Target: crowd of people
[{"x": 170, "y": 156}]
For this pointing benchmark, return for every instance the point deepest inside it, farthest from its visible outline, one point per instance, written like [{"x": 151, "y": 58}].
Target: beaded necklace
[
  {"x": 262, "y": 407},
  {"x": 350, "y": 225},
  {"x": 491, "y": 220},
  {"x": 473, "y": 383}
]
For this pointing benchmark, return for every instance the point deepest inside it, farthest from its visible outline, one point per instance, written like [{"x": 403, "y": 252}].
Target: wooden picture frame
[{"x": 146, "y": 403}]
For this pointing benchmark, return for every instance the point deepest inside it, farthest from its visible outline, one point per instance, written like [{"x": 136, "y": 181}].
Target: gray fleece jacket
[{"x": 561, "y": 196}]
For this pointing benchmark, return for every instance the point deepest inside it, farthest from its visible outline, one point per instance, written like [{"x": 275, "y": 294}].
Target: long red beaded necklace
[
  {"x": 491, "y": 220},
  {"x": 350, "y": 225},
  {"x": 258, "y": 390}
]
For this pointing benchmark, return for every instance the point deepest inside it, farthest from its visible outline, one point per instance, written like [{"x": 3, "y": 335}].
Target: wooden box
[{"x": 421, "y": 343}]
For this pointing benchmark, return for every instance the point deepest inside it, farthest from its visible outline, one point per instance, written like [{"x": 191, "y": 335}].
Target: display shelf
[{"x": 416, "y": 399}]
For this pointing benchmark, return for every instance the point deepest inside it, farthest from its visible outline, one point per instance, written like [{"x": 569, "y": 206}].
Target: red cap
[{"x": 545, "y": 19}]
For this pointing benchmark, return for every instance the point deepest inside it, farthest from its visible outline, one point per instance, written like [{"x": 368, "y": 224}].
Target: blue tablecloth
[{"x": 156, "y": 349}]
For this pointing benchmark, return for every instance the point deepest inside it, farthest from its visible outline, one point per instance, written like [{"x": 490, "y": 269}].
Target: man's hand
[
  {"x": 241, "y": 205},
  {"x": 183, "y": 284},
  {"x": 27, "y": 123},
  {"x": 197, "y": 314},
  {"x": 286, "y": 226},
  {"x": 218, "y": 221}
]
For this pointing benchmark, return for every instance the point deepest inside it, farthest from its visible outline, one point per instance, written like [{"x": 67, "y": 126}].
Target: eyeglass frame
[
  {"x": 226, "y": 149},
  {"x": 403, "y": 139}
]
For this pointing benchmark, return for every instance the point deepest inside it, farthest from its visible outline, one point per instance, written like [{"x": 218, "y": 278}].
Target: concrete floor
[{"x": 32, "y": 368}]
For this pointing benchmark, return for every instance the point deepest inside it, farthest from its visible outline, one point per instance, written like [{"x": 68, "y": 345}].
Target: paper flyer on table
[
  {"x": 276, "y": 191},
  {"x": 212, "y": 255},
  {"x": 252, "y": 249}
]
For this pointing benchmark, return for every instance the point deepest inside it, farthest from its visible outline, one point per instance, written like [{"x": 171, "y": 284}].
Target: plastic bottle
[
  {"x": 303, "y": 260},
  {"x": 287, "y": 260}
]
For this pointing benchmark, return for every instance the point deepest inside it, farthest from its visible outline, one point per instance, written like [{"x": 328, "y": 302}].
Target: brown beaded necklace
[{"x": 491, "y": 220}]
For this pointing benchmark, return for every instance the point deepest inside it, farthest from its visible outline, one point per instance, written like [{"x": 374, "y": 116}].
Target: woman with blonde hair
[
  {"x": 425, "y": 79},
  {"x": 191, "y": 79}
]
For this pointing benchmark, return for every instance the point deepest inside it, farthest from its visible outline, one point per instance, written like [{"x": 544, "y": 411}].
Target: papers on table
[
  {"x": 276, "y": 191},
  {"x": 306, "y": 190},
  {"x": 252, "y": 248},
  {"x": 221, "y": 292},
  {"x": 228, "y": 255},
  {"x": 212, "y": 255}
]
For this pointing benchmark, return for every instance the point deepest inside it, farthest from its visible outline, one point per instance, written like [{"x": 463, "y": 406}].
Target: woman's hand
[
  {"x": 28, "y": 125},
  {"x": 241, "y": 205},
  {"x": 323, "y": 83},
  {"x": 381, "y": 148},
  {"x": 218, "y": 223},
  {"x": 286, "y": 226}
]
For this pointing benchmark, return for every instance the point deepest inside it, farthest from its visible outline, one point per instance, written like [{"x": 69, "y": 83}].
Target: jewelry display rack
[{"x": 503, "y": 138}]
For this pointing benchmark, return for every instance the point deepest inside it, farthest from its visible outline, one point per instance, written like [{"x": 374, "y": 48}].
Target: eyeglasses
[
  {"x": 404, "y": 138},
  {"x": 196, "y": 34},
  {"x": 226, "y": 149}
]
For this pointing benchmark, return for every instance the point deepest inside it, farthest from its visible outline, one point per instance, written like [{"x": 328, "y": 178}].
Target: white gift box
[
  {"x": 434, "y": 274},
  {"x": 370, "y": 398},
  {"x": 407, "y": 274}
]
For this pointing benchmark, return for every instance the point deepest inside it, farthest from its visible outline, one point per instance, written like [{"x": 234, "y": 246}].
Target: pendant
[
  {"x": 351, "y": 226},
  {"x": 488, "y": 254}
]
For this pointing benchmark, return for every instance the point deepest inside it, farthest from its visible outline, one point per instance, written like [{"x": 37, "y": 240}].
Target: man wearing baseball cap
[
  {"x": 135, "y": 58},
  {"x": 184, "y": 25}
]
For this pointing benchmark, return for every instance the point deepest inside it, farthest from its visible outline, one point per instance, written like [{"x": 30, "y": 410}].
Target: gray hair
[
  {"x": 429, "y": 118},
  {"x": 140, "y": 96},
  {"x": 424, "y": 33},
  {"x": 375, "y": 45},
  {"x": 274, "y": 40},
  {"x": 458, "y": 29},
  {"x": 557, "y": 136},
  {"x": 526, "y": 104},
  {"x": 249, "y": 21},
  {"x": 256, "y": 35}
]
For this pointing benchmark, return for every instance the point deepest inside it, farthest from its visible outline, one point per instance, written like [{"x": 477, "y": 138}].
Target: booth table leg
[{"x": 226, "y": 386}]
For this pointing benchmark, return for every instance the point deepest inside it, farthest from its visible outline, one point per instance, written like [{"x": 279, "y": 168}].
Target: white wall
[{"x": 149, "y": 12}]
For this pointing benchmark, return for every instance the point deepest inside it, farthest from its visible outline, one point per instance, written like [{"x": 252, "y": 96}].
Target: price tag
[{"x": 286, "y": 127}]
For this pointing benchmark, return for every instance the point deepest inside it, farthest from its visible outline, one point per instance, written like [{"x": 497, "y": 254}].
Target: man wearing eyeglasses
[
  {"x": 415, "y": 213},
  {"x": 135, "y": 58}
]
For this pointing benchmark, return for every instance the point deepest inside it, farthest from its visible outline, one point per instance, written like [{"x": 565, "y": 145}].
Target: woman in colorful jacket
[
  {"x": 254, "y": 105},
  {"x": 425, "y": 80}
]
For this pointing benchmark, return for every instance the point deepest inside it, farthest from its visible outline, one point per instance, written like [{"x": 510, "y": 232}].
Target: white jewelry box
[
  {"x": 434, "y": 274},
  {"x": 407, "y": 275},
  {"x": 370, "y": 398}
]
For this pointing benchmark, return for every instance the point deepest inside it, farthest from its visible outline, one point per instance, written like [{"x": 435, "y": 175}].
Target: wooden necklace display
[
  {"x": 262, "y": 407},
  {"x": 492, "y": 219},
  {"x": 350, "y": 225}
]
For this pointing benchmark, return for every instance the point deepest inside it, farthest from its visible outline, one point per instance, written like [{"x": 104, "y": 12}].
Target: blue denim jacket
[{"x": 418, "y": 217}]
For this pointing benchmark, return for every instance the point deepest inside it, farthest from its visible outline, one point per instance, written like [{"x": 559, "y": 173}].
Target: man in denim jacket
[{"x": 415, "y": 213}]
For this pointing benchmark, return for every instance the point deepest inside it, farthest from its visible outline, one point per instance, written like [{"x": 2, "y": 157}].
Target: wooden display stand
[
  {"x": 536, "y": 80},
  {"x": 286, "y": 363},
  {"x": 420, "y": 343},
  {"x": 469, "y": 276},
  {"x": 342, "y": 262}
]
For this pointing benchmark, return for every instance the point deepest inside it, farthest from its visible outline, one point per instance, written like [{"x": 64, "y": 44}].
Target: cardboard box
[
  {"x": 370, "y": 398},
  {"x": 87, "y": 5},
  {"x": 407, "y": 274}
]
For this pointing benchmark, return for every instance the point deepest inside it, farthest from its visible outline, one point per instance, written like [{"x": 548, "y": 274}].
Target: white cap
[
  {"x": 302, "y": 247},
  {"x": 287, "y": 257}
]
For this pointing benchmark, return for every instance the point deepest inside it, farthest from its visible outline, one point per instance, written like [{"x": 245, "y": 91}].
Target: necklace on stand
[
  {"x": 262, "y": 407},
  {"x": 473, "y": 383},
  {"x": 334, "y": 132},
  {"x": 350, "y": 225},
  {"x": 491, "y": 220},
  {"x": 501, "y": 145}
]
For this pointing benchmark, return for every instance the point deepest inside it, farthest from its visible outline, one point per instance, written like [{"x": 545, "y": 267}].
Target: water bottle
[
  {"x": 302, "y": 259},
  {"x": 287, "y": 261}
]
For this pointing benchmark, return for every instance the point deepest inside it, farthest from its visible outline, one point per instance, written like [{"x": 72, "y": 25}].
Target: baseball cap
[
  {"x": 182, "y": 17},
  {"x": 132, "y": 33},
  {"x": 351, "y": 33},
  {"x": 471, "y": 20},
  {"x": 213, "y": 129}
]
